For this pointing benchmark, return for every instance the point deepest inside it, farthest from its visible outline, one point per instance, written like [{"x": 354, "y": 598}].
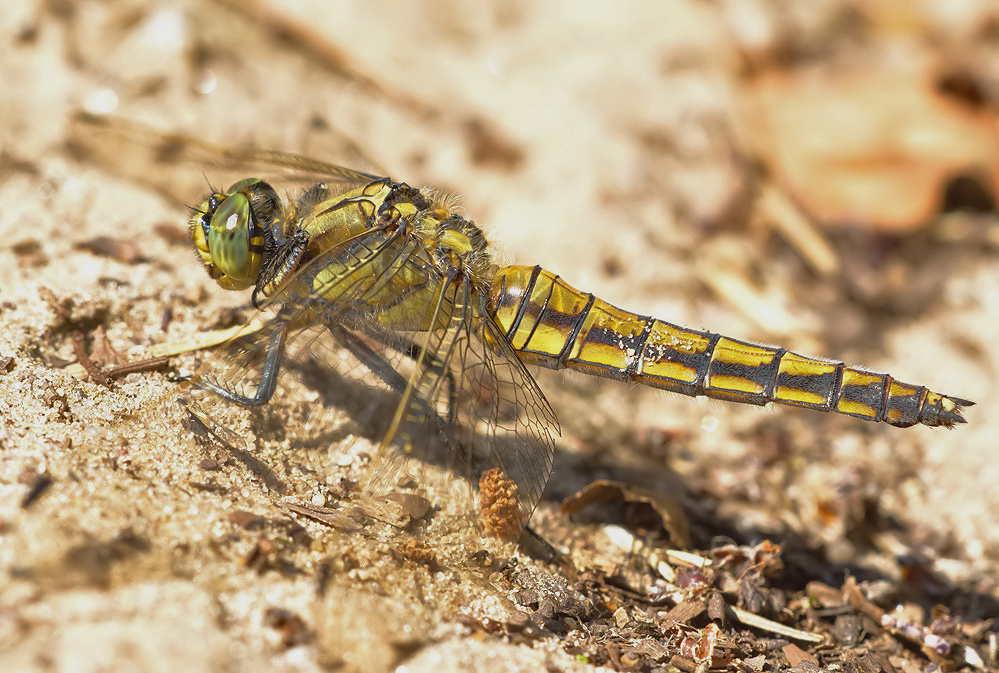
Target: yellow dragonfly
[{"x": 388, "y": 285}]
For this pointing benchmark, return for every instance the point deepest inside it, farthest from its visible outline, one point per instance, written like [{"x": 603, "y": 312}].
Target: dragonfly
[{"x": 392, "y": 287}]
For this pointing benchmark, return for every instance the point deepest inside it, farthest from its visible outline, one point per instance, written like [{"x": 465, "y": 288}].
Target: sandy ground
[{"x": 593, "y": 139}]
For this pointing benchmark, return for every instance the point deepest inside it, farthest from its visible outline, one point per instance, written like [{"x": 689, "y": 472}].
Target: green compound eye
[
  {"x": 235, "y": 238},
  {"x": 229, "y": 238}
]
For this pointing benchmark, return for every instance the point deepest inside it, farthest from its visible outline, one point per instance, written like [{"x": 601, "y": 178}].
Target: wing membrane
[
  {"x": 473, "y": 409},
  {"x": 456, "y": 402},
  {"x": 164, "y": 161}
]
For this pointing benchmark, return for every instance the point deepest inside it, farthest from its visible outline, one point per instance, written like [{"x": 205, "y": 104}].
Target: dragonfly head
[{"x": 229, "y": 229}]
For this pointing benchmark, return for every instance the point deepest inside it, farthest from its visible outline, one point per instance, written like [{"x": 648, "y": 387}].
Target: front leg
[{"x": 268, "y": 376}]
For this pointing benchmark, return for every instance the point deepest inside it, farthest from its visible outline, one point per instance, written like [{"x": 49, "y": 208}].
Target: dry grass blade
[
  {"x": 160, "y": 352},
  {"x": 764, "y": 624},
  {"x": 800, "y": 232}
]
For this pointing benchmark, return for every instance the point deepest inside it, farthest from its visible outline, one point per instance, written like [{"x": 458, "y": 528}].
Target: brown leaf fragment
[
  {"x": 326, "y": 516},
  {"x": 412, "y": 505},
  {"x": 292, "y": 627},
  {"x": 29, "y": 253},
  {"x": 716, "y": 607},
  {"x": 824, "y": 595},
  {"x": 795, "y": 655},
  {"x": 208, "y": 487},
  {"x": 146, "y": 365},
  {"x": 876, "y": 147},
  {"x": 397, "y": 509},
  {"x": 686, "y": 611},
  {"x": 115, "y": 248},
  {"x": 855, "y": 597},
  {"x": 761, "y": 560},
  {"x": 264, "y": 556},
  {"x": 166, "y": 318},
  {"x": 247, "y": 520},
  {"x": 102, "y": 353},
  {"x": 702, "y": 647},
  {"x": 683, "y": 664},
  {"x": 91, "y": 368},
  {"x": 37, "y": 485},
  {"x": 172, "y": 233},
  {"x": 669, "y": 513},
  {"x": 488, "y": 147}
]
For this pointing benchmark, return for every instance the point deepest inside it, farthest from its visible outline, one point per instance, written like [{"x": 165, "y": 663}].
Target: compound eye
[
  {"x": 233, "y": 241},
  {"x": 264, "y": 202}
]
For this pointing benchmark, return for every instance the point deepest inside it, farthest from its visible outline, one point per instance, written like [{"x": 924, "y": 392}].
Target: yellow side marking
[
  {"x": 856, "y": 377},
  {"x": 790, "y": 395},
  {"x": 845, "y": 406},
  {"x": 563, "y": 310},
  {"x": 793, "y": 364},
  {"x": 457, "y": 241},
  {"x": 898, "y": 389},
  {"x": 666, "y": 371},
  {"x": 529, "y": 317},
  {"x": 736, "y": 384},
  {"x": 735, "y": 352},
  {"x": 623, "y": 325},
  {"x": 665, "y": 342}
]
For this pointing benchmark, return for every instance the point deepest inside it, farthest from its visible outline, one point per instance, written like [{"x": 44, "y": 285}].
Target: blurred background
[{"x": 821, "y": 175}]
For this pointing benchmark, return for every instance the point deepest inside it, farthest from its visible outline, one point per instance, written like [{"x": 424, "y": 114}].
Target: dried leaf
[
  {"x": 873, "y": 147},
  {"x": 115, "y": 248},
  {"x": 668, "y": 509},
  {"x": 795, "y": 655}
]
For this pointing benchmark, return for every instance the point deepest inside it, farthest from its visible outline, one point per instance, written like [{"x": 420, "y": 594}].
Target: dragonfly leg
[
  {"x": 392, "y": 378},
  {"x": 413, "y": 351},
  {"x": 268, "y": 376},
  {"x": 369, "y": 358}
]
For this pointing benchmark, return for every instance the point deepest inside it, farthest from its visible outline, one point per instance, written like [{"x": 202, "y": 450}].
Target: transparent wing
[
  {"x": 164, "y": 161},
  {"x": 459, "y": 417},
  {"x": 476, "y": 411}
]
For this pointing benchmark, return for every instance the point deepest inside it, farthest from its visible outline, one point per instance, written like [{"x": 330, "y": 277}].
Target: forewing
[
  {"x": 474, "y": 410},
  {"x": 174, "y": 164},
  {"x": 520, "y": 426}
]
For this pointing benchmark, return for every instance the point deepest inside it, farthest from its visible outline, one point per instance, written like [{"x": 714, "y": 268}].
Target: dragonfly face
[{"x": 230, "y": 229}]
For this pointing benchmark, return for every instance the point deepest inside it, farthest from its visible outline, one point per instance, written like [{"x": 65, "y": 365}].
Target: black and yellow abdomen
[{"x": 552, "y": 324}]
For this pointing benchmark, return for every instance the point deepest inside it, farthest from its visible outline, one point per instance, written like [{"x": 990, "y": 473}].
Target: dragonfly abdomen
[{"x": 554, "y": 325}]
